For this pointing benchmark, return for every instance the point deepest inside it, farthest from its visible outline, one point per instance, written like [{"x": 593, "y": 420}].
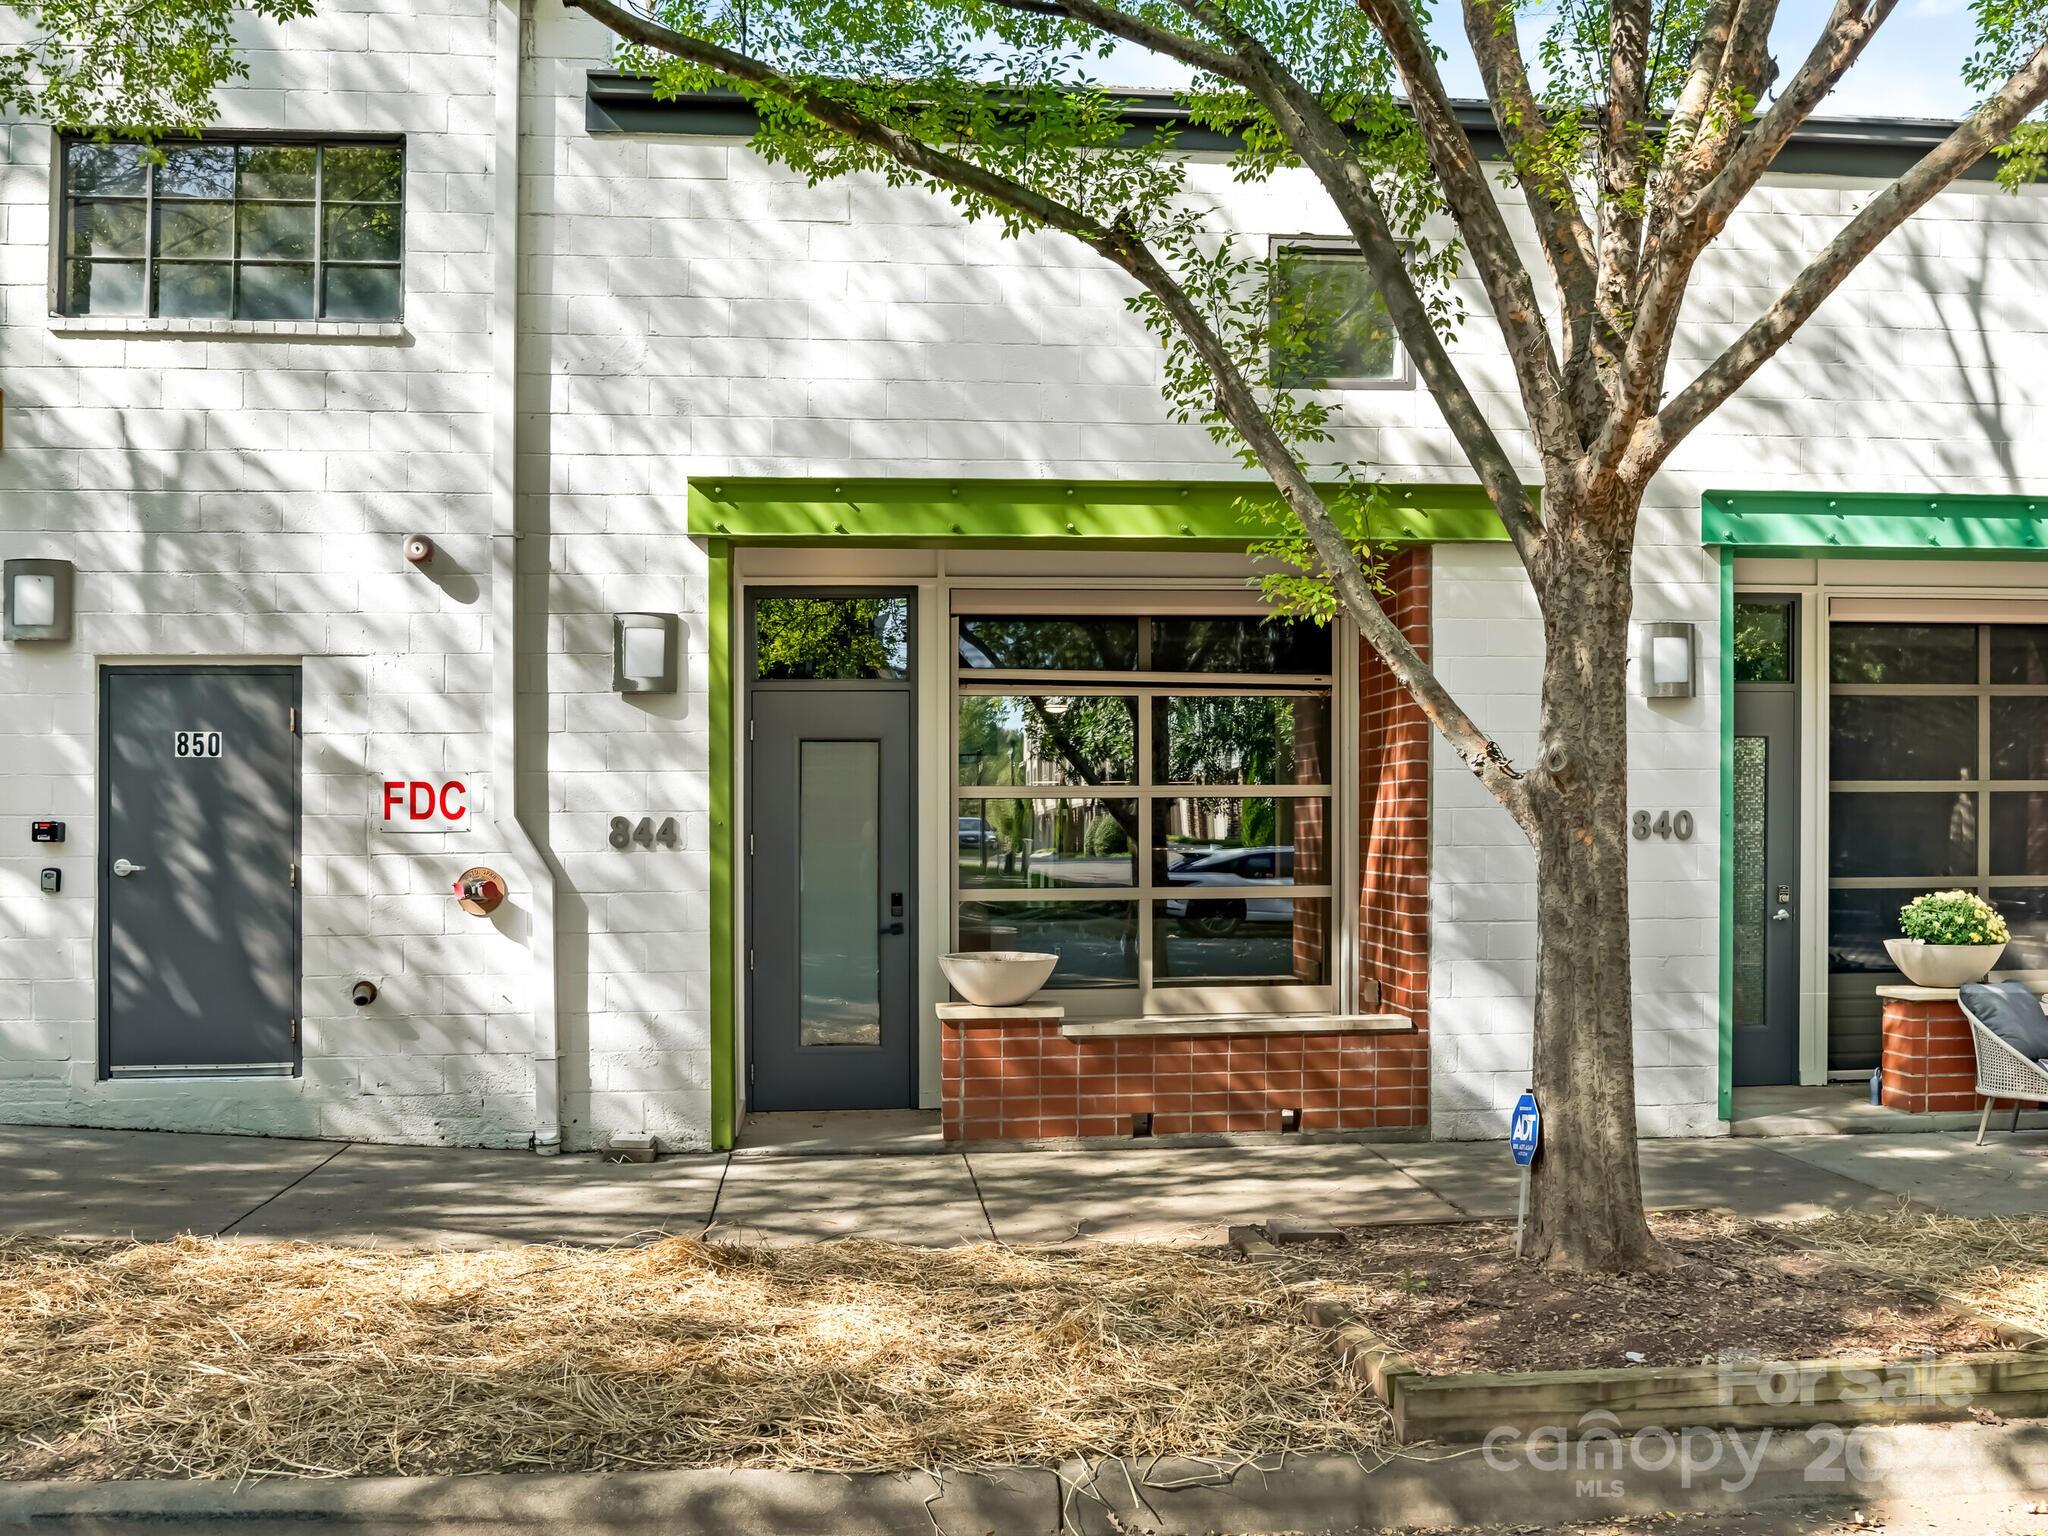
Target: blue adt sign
[{"x": 1525, "y": 1130}]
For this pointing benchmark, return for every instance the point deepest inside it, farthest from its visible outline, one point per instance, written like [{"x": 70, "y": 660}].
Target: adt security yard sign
[
  {"x": 1525, "y": 1135},
  {"x": 1525, "y": 1130}
]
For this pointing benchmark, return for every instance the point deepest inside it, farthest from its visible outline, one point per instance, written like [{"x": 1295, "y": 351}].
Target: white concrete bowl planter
[
  {"x": 1942, "y": 965},
  {"x": 997, "y": 978}
]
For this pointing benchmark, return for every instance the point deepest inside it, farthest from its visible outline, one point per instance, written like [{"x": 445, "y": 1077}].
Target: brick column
[
  {"x": 1393, "y": 865},
  {"x": 1929, "y": 1062}
]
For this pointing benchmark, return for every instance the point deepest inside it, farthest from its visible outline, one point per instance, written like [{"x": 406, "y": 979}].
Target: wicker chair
[{"x": 2003, "y": 1073}]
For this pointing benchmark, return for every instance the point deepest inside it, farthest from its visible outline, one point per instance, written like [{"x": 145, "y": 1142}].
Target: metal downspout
[{"x": 513, "y": 832}]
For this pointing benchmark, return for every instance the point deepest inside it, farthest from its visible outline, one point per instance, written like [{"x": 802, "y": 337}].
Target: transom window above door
[
  {"x": 224, "y": 229},
  {"x": 1151, "y": 797}
]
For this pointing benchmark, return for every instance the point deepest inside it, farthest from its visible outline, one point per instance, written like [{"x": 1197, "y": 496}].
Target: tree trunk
[{"x": 1586, "y": 1197}]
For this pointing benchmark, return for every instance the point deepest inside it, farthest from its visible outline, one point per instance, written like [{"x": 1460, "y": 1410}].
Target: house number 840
[{"x": 1667, "y": 825}]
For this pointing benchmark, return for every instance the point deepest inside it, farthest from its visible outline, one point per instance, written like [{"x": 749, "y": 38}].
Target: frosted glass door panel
[{"x": 839, "y": 911}]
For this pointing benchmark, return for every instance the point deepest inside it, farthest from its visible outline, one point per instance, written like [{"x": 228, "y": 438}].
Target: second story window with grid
[{"x": 269, "y": 230}]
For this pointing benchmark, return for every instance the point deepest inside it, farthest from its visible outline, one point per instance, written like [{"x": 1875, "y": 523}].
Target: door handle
[
  {"x": 124, "y": 869},
  {"x": 1782, "y": 915},
  {"x": 893, "y": 928}
]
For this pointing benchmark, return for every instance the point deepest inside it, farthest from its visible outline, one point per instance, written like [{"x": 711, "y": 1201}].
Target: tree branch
[
  {"x": 1695, "y": 224},
  {"x": 1736, "y": 80},
  {"x": 1849, "y": 30},
  {"x": 1331, "y": 157},
  {"x": 1698, "y": 90},
  {"x": 1486, "y": 234},
  {"x": 1135, "y": 29},
  {"x": 1973, "y": 138},
  {"x": 1624, "y": 169},
  {"x": 1234, "y": 396},
  {"x": 1553, "y": 204}
]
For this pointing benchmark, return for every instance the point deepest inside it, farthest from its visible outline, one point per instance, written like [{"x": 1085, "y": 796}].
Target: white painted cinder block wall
[
  {"x": 236, "y": 497},
  {"x": 687, "y": 309},
  {"x": 853, "y": 329},
  {"x": 608, "y": 406}
]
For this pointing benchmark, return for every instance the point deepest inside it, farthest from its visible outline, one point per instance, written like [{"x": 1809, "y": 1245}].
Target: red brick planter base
[
  {"x": 1929, "y": 1063},
  {"x": 1019, "y": 1079}
]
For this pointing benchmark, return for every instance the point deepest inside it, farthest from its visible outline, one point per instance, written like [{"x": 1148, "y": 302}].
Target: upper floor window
[
  {"x": 1329, "y": 324},
  {"x": 253, "y": 230}
]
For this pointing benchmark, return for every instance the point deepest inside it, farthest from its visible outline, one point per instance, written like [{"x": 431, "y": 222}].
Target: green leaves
[
  {"x": 132, "y": 68},
  {"x": 2009, "y": 33}
]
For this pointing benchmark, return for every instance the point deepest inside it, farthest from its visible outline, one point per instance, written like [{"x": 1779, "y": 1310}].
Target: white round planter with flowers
[{"x": 1951, "y": 938}]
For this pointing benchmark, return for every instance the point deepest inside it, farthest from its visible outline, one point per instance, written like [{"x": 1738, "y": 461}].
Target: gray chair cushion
[{"x": 2012, "y": 1012}]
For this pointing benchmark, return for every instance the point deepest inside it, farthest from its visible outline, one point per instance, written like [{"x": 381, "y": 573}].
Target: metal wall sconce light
[
  {"x": 644, "y": 652},
  {"x": 1670, "y": 661},
  {"x": 38, "y": 599}
]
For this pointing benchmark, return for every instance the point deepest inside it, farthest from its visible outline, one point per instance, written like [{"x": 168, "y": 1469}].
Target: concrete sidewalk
[
  {"x": 1769, "y": 1477},
  {"x": 145, "y": 1184}
]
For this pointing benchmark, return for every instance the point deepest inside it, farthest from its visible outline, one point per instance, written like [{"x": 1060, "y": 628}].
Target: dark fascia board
[{"x": 1868, "y": 148}]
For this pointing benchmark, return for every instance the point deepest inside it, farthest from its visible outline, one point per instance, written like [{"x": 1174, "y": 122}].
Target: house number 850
[{"x": 1669, "y": 824}]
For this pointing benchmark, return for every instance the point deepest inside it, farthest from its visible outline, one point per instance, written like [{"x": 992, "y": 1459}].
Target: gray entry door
[
  {"x": 1766, "y": 849},
  {"x": 199, "y": 827},
  {"x": 831, "y": 936}
]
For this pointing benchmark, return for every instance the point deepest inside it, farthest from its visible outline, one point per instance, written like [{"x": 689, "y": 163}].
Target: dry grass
[
  {"x": 222, "y": 1359},
  {"x": 1996, "y": 1263}
]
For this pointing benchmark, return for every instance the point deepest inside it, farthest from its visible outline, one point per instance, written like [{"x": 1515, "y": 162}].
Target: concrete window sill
[
  {"x": 287, "y": 330},
  {"x": 1251, "y": 1024}
]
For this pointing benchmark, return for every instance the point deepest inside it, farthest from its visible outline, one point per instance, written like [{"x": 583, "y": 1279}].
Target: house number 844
[
  {"x": 1667, "y": 825},
  {"x": 625, "y": 833}
]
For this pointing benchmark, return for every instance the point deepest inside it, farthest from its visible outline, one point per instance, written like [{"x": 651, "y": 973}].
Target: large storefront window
[
  {"x": 1151, "y": 799},
  {"x": 1937, "y": 778}
]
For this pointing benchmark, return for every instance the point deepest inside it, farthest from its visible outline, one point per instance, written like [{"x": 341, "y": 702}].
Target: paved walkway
[{"x": 82, "y": 1183}]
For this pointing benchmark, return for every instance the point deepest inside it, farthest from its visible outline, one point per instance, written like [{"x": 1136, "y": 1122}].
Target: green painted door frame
[
  {"x": 1807, "y": 525},
  {"x": 728, "y": 512}
]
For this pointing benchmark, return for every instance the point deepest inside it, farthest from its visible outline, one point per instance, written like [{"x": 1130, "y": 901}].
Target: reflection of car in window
[
  {"x": 975, "y": 832},
  {"x": 1228, "y": 867}
]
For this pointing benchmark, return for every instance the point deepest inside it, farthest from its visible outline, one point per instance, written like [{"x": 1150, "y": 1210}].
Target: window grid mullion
[
  {"x": 1983, "y": 758},
  {"x": 319, "y": 232},
  {"x": 1147, "y": 960},
  {"x": 149, "y": 242},
  {"x": 235, "y": 238}
]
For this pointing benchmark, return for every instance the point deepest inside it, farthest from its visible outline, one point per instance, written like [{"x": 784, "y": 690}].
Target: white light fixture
[
  {"x": 644, "y": 652},
  {"x": 38, "y": 599},
  {"x": 1668, "y": 661}
]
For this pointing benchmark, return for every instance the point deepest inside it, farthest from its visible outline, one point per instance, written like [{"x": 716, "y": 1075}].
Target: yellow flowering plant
[{"x": 1952, "y": 917}]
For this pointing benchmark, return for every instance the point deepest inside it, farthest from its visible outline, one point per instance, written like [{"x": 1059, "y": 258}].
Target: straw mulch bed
[
  {"x": 1455, "y": 1298},
  {"x": 1998, "y": 1264},
  {"x": 215, "y": 1358}
]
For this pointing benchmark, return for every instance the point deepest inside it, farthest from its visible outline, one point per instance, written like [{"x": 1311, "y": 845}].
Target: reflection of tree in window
[
  {"x": 1087, "y": 740},
  {"x": 1049, "y": 645},
  {"x": 824, "y": 638},
  {"x": 1328, "y": 320},
  {"x": 1763, "y": 643},
  {"x": 1230, "y": 739}
]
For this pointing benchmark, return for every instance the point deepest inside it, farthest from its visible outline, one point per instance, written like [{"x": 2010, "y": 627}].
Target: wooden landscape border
[{"x": 1467, "y": 1406}]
